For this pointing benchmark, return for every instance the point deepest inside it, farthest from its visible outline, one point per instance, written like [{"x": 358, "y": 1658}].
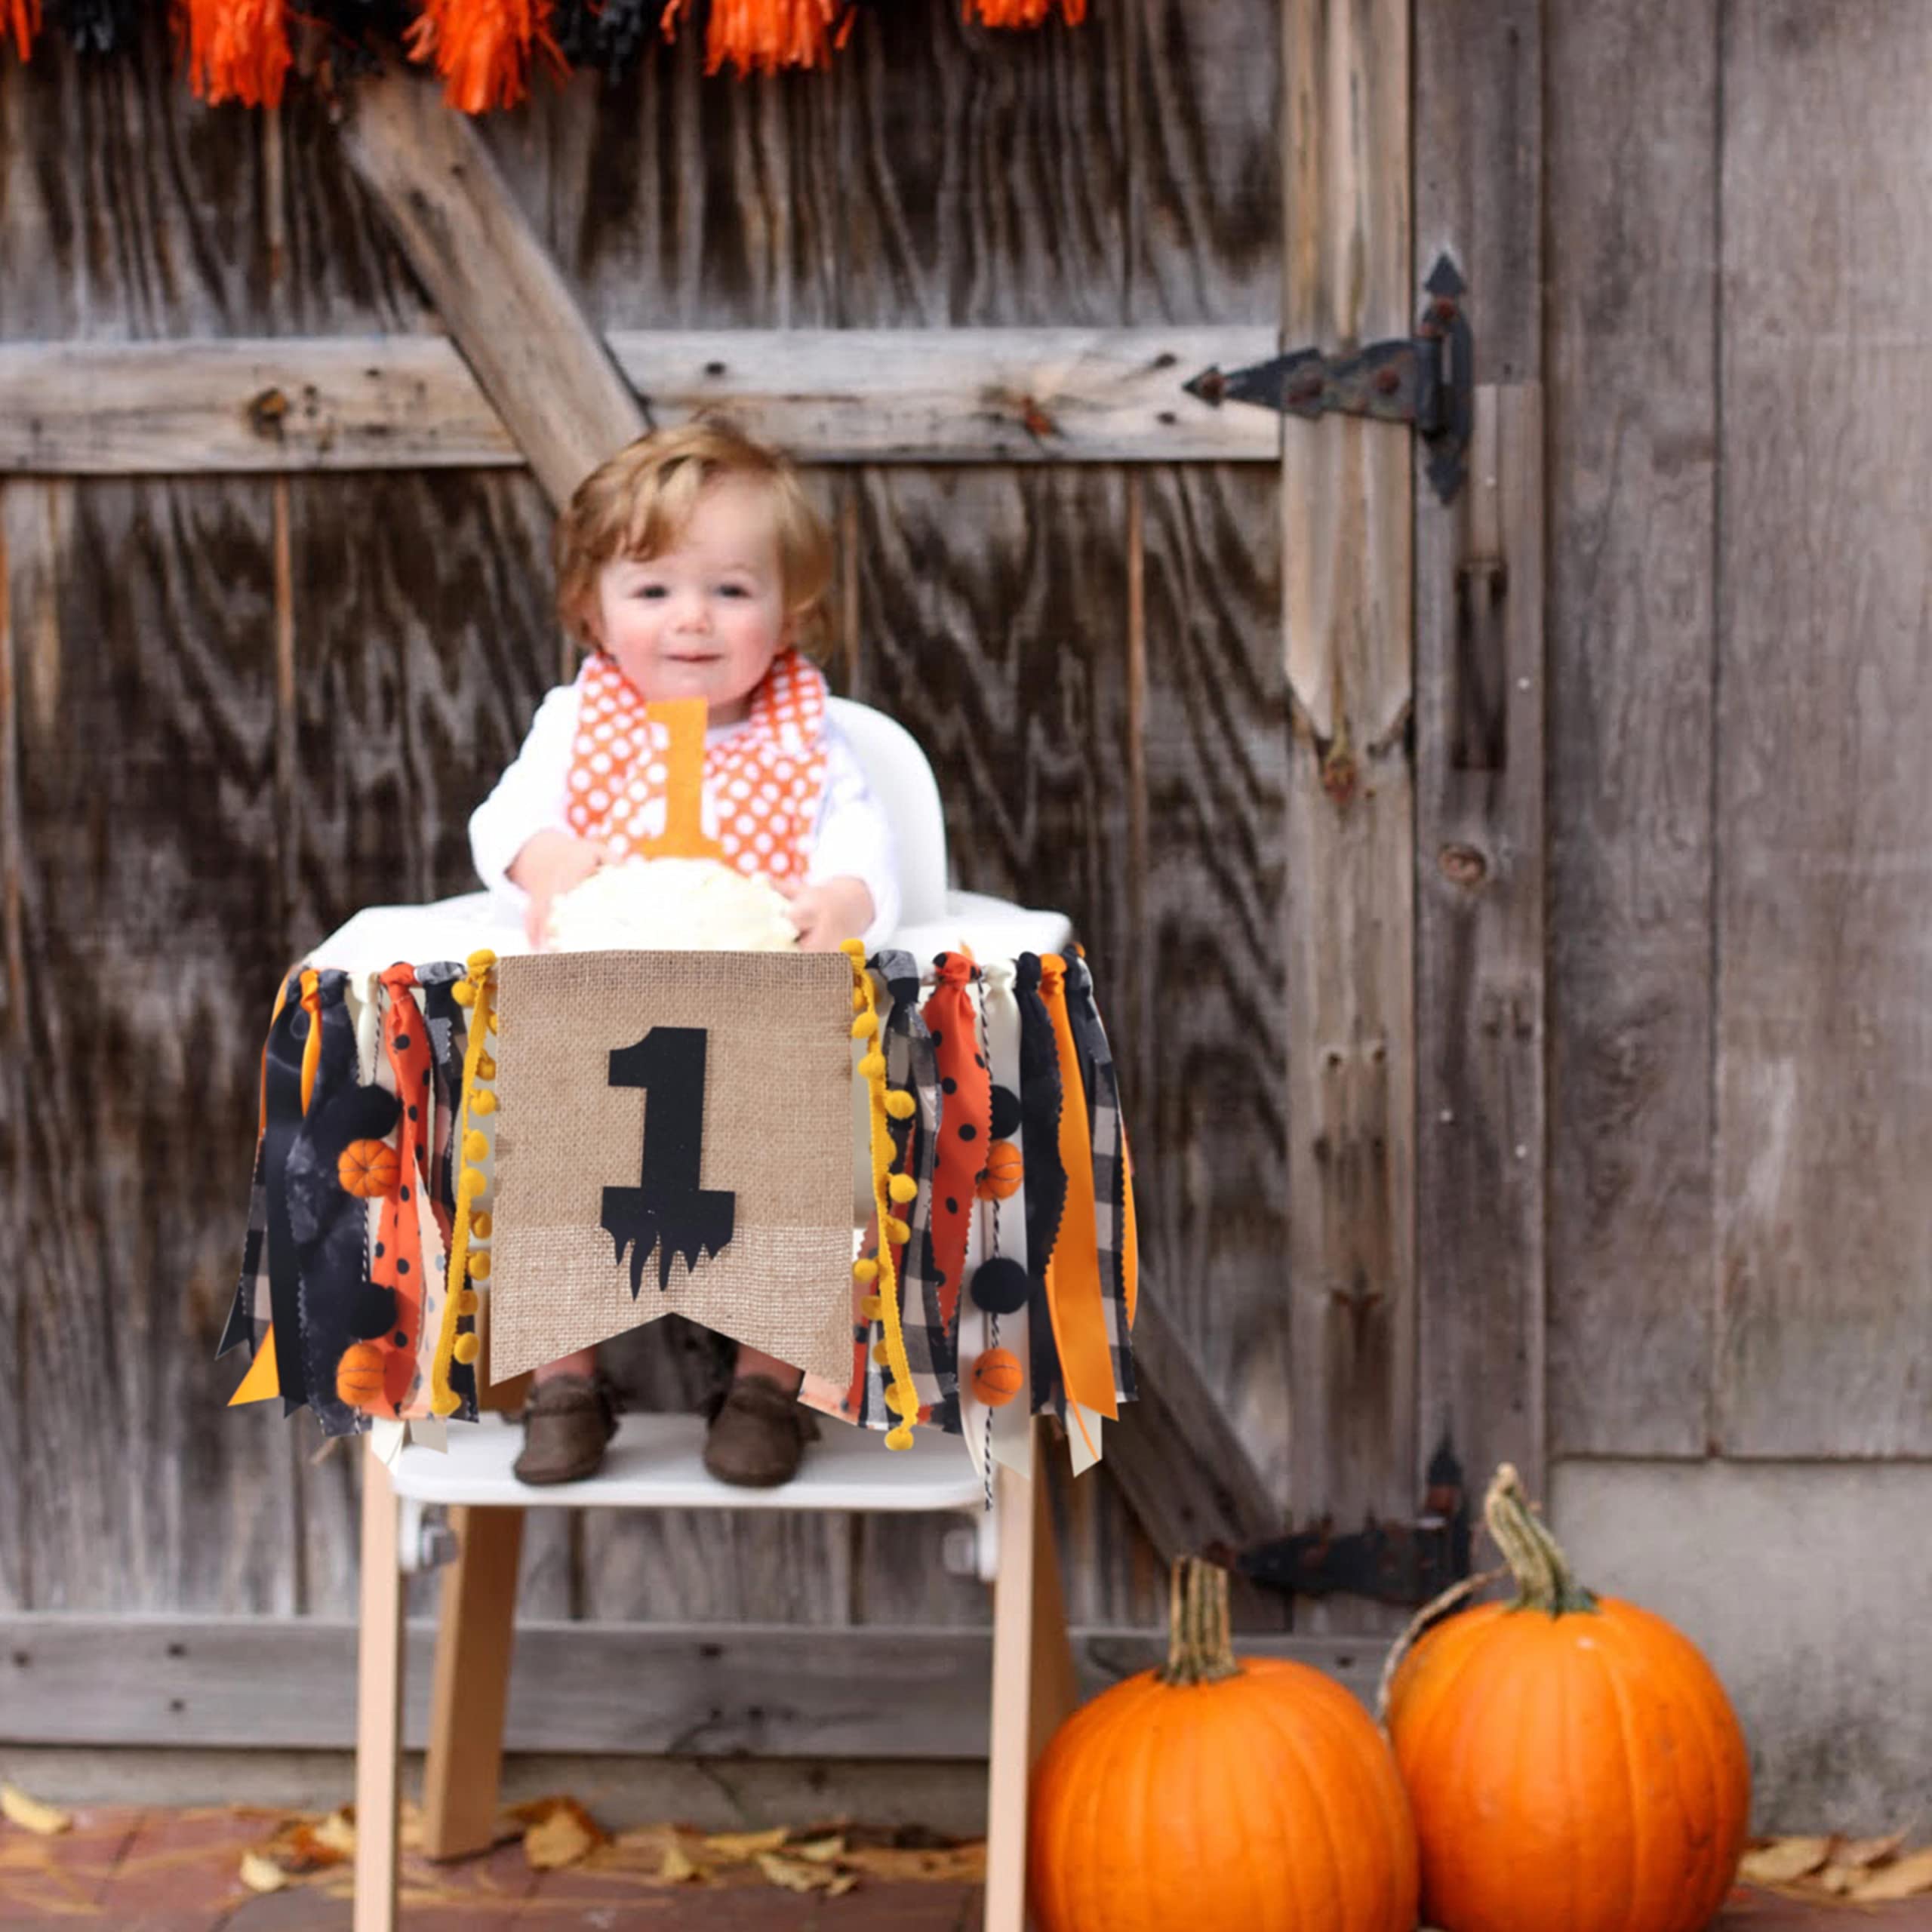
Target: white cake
[{"x": 669, "y": 906}]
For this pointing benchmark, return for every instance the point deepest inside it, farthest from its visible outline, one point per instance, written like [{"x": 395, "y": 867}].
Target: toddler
[{"x": 691, "y": 565}]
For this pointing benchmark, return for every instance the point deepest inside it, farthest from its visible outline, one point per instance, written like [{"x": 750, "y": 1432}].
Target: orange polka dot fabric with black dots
[{"x": 764, "y": 780}]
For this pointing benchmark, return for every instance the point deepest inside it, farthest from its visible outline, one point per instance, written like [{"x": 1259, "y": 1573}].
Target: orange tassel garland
[
  {"x": 761, "y": 36},
  {"x": 237, "y": 50},
  {"x": 1021, "y": 13},
  {"x": 482, "y": 48},
  {"x": 21, "y": 18}
]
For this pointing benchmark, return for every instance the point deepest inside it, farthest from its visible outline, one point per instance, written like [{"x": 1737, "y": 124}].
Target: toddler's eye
[
  {"x": 733, "y": 590},
  {"x": 649, "y": 590}
]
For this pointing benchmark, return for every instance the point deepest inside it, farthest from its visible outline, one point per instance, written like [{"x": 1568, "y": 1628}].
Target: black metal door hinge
[
  {"x": 1425, "y": 380},
  {"x": 1406, "y": 1563}
]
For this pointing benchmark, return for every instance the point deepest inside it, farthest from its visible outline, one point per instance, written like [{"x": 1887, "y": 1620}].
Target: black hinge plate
[
  {"x": 1407, "y": 1563},
  {"x": 1425, "y": 380}
]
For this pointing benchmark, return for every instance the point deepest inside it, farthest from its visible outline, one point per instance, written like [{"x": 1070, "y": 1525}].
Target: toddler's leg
[{"x": 569, "y": 1422}]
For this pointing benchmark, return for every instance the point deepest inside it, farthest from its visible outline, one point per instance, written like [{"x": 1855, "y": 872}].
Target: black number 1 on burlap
[{"x": 668, "y": 1211}]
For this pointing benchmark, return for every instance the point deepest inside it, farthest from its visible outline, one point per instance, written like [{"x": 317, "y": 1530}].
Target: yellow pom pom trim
[
  {"x": 490, "y": 1022},
  {"x": 890, "y": 1351},
  {"x": 900, "y": 1437},
  {"x": 479, "y": 1265},
  {"x": 903, "y": 1188},
  {"x": 480, "y": 960},
  {"x": 475, "y": 1145},
  {"x": 463, "y": 993},
  {"x": 466, "y": 1302},
  {"x": 858, "y": 1001},
  {"x": 902, "y": 1401},
  {"x": 483, "y": 1103},
  {"x": 867, "y": 1270},
  {"x": 901, "y": 1106},
  {"x": 895, "y": 1230},
  {"x": 473, "y": 1183},
  {"x": 864, "y": 1026},
  {"x": 871, "y": 1307},
  {"x": 480, "y": 1226},
  {"x": 854, "y": 949},
  {"x": 873, "y": 1067},
  {"x": 881, "y": 1353},
  {"x": 486, "y": 1069},
  {"x": 466, "y": 1348}
]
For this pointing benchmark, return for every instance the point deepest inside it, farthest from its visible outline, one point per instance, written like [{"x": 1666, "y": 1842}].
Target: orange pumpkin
[
  {"x": 1000, "y": 1178},
  {"x": 368, "y": 1169},
  {"x": 1231, "y": 1796},
  {"x": 996, "y": 1377},
  {"x": 1572, "y": 1760},
  {"x": 359, "y": 1378}
]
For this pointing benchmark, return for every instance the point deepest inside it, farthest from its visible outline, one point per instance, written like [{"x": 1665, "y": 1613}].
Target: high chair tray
[{"x": 654, "y": 1462}]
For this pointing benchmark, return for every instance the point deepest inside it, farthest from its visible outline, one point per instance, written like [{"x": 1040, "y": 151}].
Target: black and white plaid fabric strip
[{"x": 1096, "y": 1069}]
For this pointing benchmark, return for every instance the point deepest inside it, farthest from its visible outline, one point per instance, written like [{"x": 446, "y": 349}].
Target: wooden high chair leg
[
  {"x": 475, "y": 1628},
  {"x": 1034, "y": 1683},
  {"x": 378, "y": 1703}
]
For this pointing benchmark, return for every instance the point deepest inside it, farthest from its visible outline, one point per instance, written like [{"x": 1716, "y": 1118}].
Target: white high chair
[{"x": 654, "y": 1461}]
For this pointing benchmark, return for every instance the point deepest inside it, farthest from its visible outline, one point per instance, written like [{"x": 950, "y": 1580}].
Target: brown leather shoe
[
  {"x": 567, "y": 1426},
  {"x": 758, "y": 1434}
]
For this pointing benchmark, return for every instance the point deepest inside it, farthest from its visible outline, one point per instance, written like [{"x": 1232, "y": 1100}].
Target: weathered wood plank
[
  {"x": 514, "y": 318},
  {"x": 1824, "y": 925},
  {"x": 829, "y": 396},
  {"x": 1631, "y": 403},
  {"x": 1480, "y": 684},
  {"x": 1350, "y": 940},
  {"x": 768, "y": 1690},
  {"x": 152, "y": 934}
]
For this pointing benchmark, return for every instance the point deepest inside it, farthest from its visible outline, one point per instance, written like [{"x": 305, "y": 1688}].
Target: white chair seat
[{"x": 655, "y": 1463}]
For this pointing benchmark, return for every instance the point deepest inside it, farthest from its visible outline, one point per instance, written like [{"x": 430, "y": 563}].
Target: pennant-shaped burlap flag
[{"x": 673, "y": 1135}]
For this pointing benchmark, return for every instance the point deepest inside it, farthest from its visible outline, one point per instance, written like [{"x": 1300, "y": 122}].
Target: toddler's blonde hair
[{"x": 638, "y": 503}]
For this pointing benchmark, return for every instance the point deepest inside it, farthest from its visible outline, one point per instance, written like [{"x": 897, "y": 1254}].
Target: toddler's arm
[
  {"x": 851, "y": 888},
  {"x": 528, "y": 799}
]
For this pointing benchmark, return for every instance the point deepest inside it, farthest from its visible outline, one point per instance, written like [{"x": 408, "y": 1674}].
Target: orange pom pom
[
  {"x": 368, "y": 1169},
  {"x": 1004, "y": 1172},
  {"x": 237, "y": 50},
  {"x": 359, "y": 1375},
  {"x": 760, "y": 37},
  {"x": 997, "y": 1378},
  {"x": 482, "y": 50}
]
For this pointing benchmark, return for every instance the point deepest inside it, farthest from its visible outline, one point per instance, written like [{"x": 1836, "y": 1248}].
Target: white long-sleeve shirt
[{"x": 850, "y": 839}]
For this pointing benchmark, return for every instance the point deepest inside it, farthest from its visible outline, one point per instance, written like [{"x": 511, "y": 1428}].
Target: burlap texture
[{"x": 777, "y": 1134}]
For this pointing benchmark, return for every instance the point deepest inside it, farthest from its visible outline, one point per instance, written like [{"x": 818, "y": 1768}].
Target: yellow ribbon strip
[{"x": 460, "y": 1298}]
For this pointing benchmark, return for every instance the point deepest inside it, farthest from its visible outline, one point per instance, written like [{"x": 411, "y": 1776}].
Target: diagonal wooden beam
[{"x": 508, "y": 309}]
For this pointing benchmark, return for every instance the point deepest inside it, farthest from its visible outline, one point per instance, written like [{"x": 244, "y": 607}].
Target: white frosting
[{"x": 669, "y": 906}]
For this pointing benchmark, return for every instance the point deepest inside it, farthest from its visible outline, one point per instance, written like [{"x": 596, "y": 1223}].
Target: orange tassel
[
  {"x": 1021, "y": 13},
  {"x": 21, "y": 18},
  {"x": 761, "y": 36},
  {"x": 237, "y": 50},
  {"x": 482, "y": 48}
]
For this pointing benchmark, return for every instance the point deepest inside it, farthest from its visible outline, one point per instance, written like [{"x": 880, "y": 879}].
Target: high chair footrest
[{"x": 655, "y": 1463}]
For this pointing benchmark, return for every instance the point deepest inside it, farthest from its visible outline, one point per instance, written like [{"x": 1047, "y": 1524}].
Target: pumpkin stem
[
  {"x": 1200, "y": 1638},
  {"x": 1544, "y": 1580}
]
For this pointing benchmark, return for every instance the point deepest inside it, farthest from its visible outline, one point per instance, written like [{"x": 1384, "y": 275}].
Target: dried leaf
[
  {"x": 678, "y": 1868},
  {"x": 261, "y": 1873},
  {"x": 796, "y": 1874},
  {"x": 963, "y": 1864},
  {"x": 1781, "y": 1860},
  {"x": 741, "y": 1848},
  {"x": 30, "y": 1814},
  {"x": 1908, "y": 1879},
  {"x": 1861, "y": 1854},
  {"x": 565, "y": 1834},
  {"x": 841, "y": 1885},
  {"x": 820, "y": 1851},
  {"x": 337, "y": 1830}
]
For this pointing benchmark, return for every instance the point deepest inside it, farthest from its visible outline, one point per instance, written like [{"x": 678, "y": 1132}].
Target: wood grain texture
[
  {"x": 1824, "y": 1045},
  {"x": 1630, "y": 380},
  {"x": 152, "y": 933},
  {"x": 510, "y": 310},
  {"x": 1480, "y": 682},
  {"x": 244, "y": 404},
  {"x": 1350, "y": 941}
]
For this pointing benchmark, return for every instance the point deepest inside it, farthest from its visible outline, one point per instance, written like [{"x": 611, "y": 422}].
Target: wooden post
[
  {"x": 506, "y": 303},
  {"x": 378, "y": 1704},
  {"x": 475, "y": 1633},
  {"x": 1347, "y": 578},
  {"x": 1479, "y": 754}
]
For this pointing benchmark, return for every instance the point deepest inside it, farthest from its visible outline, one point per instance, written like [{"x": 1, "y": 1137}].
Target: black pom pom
[
  {"x": 1006, "y": 1113},
  {"x": 371, "y": 1312},
  {"x": 998, "y": 1286}
]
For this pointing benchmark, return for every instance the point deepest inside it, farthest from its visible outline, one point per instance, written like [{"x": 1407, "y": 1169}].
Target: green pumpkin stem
[
  {"x": 1544, "y": 1580},
  {"x": 1200, "y": 1638}
]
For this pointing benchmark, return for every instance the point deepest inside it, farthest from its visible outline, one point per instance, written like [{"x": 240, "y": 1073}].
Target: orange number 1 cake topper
[{"x": 683, "y": 837}]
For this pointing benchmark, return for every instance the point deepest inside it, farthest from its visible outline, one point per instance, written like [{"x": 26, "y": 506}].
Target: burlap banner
[{"x": 673, "y": 1134}]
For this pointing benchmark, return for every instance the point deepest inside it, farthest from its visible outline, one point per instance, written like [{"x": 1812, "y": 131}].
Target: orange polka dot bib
[{"x": 763, "y": 780}]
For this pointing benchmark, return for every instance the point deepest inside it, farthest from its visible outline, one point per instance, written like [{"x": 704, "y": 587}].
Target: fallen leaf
[
  {"x": 796, "y": 1874},
  {"x": 741, "y": 1848},
  {"x": 820, "y": 1851},
  {"x": 1782, "y": 1859},
  {"x": 337, "y": 1830},
  {"x": 261, "y": 1873},
  {"x": 1863, "y": 1853},
  {"x": 678, "y": 1868},
  {"x": 565, "y": 1834},
  {"x": 1908, "y": 1879},
  {"x": 30, "y": 1814},
  {"x": 962, "y": 1864},
  {"x": 841, "y": 1885}
]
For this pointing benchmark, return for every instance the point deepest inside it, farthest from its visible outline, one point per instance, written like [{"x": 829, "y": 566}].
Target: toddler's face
[{"x": 705, "y": 618}]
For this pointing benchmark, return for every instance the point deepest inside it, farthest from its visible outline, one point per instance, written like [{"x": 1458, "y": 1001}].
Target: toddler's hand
[
  {"x": 832, "y": 910},
  {"x": 551, "y": 862}
]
